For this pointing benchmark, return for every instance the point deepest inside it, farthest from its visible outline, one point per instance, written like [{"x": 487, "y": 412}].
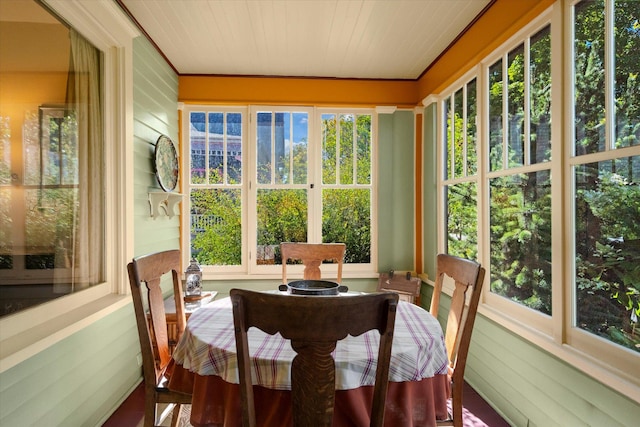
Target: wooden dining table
[{"x": 205, "y": 364}]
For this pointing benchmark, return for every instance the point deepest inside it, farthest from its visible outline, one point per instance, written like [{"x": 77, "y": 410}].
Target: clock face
[{"x": 166, "y": 161}]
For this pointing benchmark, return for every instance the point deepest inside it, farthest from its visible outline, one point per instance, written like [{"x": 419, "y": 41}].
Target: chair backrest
[
  {"x": 462, "y": 314},
  {"x": 407, "y": 287},
  {"x": 312, "y": 255},
  {"x": 313, "y": 324},
  {"x": 145, "y": 275}
]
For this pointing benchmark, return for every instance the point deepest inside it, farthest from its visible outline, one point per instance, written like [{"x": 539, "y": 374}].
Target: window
[
  {"x": 51, "y": 174},
  {"x": 104, "y": 283},
  {"x": 294, "y": 175},
  {"x": 216, "y": 141},
  {"x": 605, "y": 164},
  {"x": 557, "y": 192},
  {"x": 347, "y": 183},
  {"x": 520, "y": 172},
  {"x": 282, "y": 190},
  {"x": 460, "y": 171}
]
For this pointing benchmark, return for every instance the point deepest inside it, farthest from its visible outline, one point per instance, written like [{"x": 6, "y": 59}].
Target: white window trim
[
  {"x": 211, "y": 272},
  {"x": 249, "y": 270},
  {"x": 26, "y": 333},
  {"x": 604, "y": 361},
  {"x": 598, "y": 351}
]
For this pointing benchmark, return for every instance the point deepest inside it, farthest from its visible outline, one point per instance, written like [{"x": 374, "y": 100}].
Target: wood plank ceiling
[{"x": 365, "y": 39}]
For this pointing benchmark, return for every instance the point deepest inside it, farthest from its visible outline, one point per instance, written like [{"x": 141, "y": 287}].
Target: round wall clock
[{"x": 166, "y": 162}]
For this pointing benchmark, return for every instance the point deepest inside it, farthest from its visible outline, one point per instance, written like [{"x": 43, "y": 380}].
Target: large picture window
[
  {"x": 52, "y": 227},
  {"x": 294, "y": 175}
]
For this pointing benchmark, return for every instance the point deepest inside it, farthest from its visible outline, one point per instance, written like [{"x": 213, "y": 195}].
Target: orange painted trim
[
  {"x": 418, "y": 193},
  {"x": 234, "y": 90},
  {"x": 182, "y": 184},
  {"x": 502, "y": 20}
]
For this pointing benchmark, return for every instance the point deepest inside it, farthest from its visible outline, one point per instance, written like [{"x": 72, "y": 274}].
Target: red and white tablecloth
[{"x": 206, "y": 365}]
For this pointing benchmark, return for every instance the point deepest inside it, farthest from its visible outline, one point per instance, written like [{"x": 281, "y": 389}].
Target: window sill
[{"x": 16, "y": 347}]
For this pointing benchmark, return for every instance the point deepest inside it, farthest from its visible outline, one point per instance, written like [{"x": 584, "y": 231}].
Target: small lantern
[{"x": 193, "y": 287}]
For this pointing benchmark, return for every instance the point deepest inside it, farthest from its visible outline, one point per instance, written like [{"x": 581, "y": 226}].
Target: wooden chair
[
  {"x": 145, "y": 275},
  {"x": 466, "y": 274},
  {"x": 407, "y": 287},
  {"x": 312, "y": 255},
  {"x": 313, "y": 324}
]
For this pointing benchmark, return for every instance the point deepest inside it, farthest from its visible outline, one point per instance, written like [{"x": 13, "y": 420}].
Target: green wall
[
  {"x": 396, "y": 187},
  {"x": 155, "y": 107},
  {"x": 77, "y": 381}
]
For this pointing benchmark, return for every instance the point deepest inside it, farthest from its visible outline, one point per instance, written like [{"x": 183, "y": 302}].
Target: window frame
[
  {"x": 608, "y": 363},
  {"x": 249, "y": 268},
  {"x": 624, "y": 360},
  {"x": 209, "y": 270},
  {"x": 26, "y": 333},
  {"x": 445, "y": 162}
]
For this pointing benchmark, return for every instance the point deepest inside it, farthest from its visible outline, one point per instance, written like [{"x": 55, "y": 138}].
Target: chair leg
[
  {"x": 456, "y": 405},
  {"x": 149, "y": 413},
  {"x": 175, "y": 418}
]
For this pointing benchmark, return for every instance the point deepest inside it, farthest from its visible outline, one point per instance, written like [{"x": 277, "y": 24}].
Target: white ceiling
[{"x": 367, "y": 39}]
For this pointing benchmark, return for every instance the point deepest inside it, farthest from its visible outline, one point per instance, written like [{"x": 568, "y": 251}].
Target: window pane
[
  {"x": 49, "y": 226},
  {"x": 448, "y": 139},
  {"x": 282, "y": 217},
  {"x": 540, "y": 96},
  {"x": 263, "y": 148},
  {"x": 458, "y": 135},
  {"x": 216, "y": 226},
  {"x": 284, "y": 135},
  {"x": 283, "y": 148},
  {"x": 346, "y": 148},
  {"x": 346, "y": 217},
  {"x": 462, "y": 220},
  {"x": 197, "y": 132},
  {"x": 472, "y": 156},
  {"x": 520, "y": 224},
  {"x": 589, "y": 77},
  {"x": 495, "y": 116},
  {"x": 234, "y": 148},
  {"x": 515, "y": 102},
  {"x": 607, "y": 234},
  {"x": 6, "y": 227},
  {"x": 52, "y": 229},
  {"x": 627, "y": 77},
  {"x": 363, "y": 122},
  {"x": 300, "y": 147},
  {"x": 329, "y": 130},
  {"x": 216, "y": 148}
]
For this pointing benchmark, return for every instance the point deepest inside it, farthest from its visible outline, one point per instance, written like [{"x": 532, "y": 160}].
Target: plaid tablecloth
[{"x": 208, "y": 347}]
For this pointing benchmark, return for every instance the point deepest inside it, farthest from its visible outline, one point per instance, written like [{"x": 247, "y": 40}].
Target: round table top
[{"x": 208, "y": 347}]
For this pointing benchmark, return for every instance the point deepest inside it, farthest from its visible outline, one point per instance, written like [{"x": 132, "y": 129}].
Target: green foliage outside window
[
  {"x": 521, "y": 239},
  {"x": 607, "y": 205}
]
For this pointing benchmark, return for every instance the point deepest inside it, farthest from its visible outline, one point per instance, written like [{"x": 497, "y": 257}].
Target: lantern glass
[{"x": 193, "y": 274}]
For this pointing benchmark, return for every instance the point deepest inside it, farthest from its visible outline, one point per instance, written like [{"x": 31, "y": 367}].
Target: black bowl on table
[{"x": 313, "y": 287}]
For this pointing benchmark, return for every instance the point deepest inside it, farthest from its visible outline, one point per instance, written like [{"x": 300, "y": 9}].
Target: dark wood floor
[{"x": 477, "y": 412}]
